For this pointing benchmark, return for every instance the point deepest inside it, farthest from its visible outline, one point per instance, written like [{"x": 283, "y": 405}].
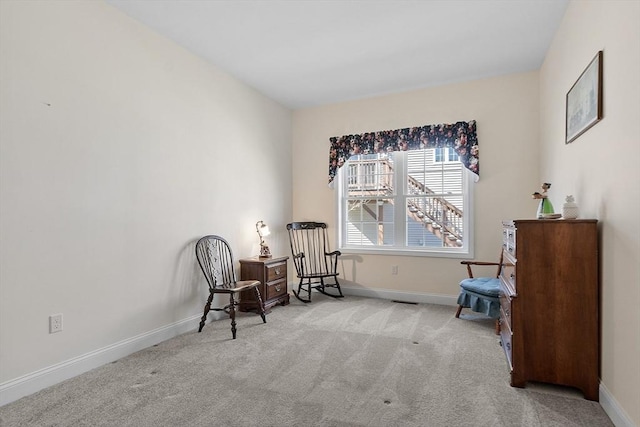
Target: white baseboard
[
  {"x": 25, "y": 385},
  {"x": 618, "y": 416},
  {"x": 400, "y": 295},
  {"x": 31, "y": 383},
  {"x": 28, "y": 384}
]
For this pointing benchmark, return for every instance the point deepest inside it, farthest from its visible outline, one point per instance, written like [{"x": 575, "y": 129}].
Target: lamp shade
[{"x": 264, "y": 230}]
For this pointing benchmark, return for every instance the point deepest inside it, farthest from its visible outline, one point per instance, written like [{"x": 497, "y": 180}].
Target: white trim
[
  {"x": 400, "y": 223},
  {"x": 401, "y": 296},
  {"x": 434, "y": 253},
  {"x": 31, "y": 383},
  {"x": 618, "y": 416},
  {"x": 28, "y": 384}
]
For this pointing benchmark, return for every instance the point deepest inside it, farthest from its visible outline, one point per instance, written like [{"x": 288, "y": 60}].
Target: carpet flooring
[{"x": 334, "y": 362}]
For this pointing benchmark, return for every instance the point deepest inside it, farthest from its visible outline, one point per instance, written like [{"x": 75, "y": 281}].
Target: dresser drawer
[
  {"x": 508, "y": 273},
  {"x": 276, "y": 271},
  {"x": 509, "y": 238},
  {"x": 505, "y": 339},
  {"x": 505, "y": 303},
  {"x": 276, "y": 289}
]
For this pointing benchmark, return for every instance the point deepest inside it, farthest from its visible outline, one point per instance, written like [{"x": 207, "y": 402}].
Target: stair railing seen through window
[{"x": 415, "y": 202}]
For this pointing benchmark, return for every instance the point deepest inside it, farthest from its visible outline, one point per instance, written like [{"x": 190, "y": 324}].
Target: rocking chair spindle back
[{"x": 312, "y": 259}]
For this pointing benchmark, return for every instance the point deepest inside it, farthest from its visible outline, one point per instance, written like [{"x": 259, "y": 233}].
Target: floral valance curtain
[{"x": 460, "y": 136}]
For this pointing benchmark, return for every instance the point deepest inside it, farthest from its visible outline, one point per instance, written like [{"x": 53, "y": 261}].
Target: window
[
  {"x": 405, "y": 202},
  {"x": 445, "y": 154}
]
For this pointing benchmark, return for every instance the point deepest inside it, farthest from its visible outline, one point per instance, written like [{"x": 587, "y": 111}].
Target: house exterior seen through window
[{"x": 405, "y": 202}]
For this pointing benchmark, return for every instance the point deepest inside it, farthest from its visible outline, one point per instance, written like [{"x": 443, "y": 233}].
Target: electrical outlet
[
  {"x": 394, "y": 270},
  {"x": 55, "y": 323}
]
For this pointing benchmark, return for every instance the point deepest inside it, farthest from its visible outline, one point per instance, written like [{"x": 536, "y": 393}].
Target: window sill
[{"x": 456, "y": 254}]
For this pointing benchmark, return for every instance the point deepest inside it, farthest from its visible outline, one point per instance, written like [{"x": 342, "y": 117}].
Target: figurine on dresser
[{"x": 545, "y": 208}]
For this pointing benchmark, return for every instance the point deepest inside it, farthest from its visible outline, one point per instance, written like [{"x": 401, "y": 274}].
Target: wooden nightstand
[{"x": 272, "y": 274}]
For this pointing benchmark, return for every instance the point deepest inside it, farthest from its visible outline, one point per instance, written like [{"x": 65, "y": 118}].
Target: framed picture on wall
[{"x": 584, "y": 100}]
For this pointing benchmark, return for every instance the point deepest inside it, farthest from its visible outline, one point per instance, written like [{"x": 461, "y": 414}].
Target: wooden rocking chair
[{"x": 312, "y": 259}]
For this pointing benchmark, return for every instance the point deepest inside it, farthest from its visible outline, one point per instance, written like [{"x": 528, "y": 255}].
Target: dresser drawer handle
[
  {"x": 278, "y": 287},
  {"x": 277, "y": 271}
]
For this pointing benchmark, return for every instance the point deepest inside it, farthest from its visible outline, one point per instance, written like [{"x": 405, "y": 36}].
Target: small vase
[{"x": 570, "y": 208}]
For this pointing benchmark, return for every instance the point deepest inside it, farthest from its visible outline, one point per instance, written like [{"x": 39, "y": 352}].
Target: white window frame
[{"x": 465, "y": 251}]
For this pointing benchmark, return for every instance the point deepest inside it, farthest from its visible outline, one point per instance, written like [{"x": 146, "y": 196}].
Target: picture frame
[{"x": 584, "y": 100}]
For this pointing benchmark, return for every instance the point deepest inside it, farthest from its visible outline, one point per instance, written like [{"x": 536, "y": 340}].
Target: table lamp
[{"x": 263, "y": 230}]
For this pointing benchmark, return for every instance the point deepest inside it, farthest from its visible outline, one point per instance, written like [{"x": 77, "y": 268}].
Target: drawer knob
[
  {"x": 277, "y": 271},
  {"x": 278, "y": 288}
]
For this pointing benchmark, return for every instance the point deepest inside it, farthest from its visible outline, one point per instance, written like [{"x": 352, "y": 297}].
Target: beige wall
[
  {"x": 506, "y": 111},
  {"x": 601, "y": 169},
  {"x": 114, "y": 140},
  {"x": 118, "y": 150}
]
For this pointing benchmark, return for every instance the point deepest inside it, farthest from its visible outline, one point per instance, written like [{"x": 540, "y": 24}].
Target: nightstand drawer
[
  {"x": 276, "y": 289},
  {"x": 276, "y": 271}
]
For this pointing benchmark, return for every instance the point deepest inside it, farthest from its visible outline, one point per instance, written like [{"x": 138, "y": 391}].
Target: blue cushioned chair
[{"x": 481, "y": 294}]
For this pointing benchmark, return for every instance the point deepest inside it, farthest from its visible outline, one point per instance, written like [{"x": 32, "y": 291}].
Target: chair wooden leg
[
  {"x": 338, "y": 286},
  {"x": 458, "y": 312},
  {"x": 232, "y": 314},
  {"x": 299, "y": 293},
  {"x": 260, "y": 305},
  {"x": 309, "y": 290},
  {"x": 207, "y": 307}
]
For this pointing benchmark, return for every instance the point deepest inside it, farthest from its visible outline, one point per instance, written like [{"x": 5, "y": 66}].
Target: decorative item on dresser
[
  {"x": 272, "y": 274},
  {"x": 570, "y": 208},
  {"x": 549, "y": 296},
  {"x": 545, "y": 208}
]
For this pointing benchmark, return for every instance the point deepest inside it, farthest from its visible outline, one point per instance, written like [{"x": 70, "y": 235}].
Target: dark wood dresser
[
  {"x": 549, "y": 298},
  {"x": 272, "y": 274}
]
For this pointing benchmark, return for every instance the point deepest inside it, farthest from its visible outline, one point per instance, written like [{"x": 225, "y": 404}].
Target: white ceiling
[{"x": 313, "y": 52}]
